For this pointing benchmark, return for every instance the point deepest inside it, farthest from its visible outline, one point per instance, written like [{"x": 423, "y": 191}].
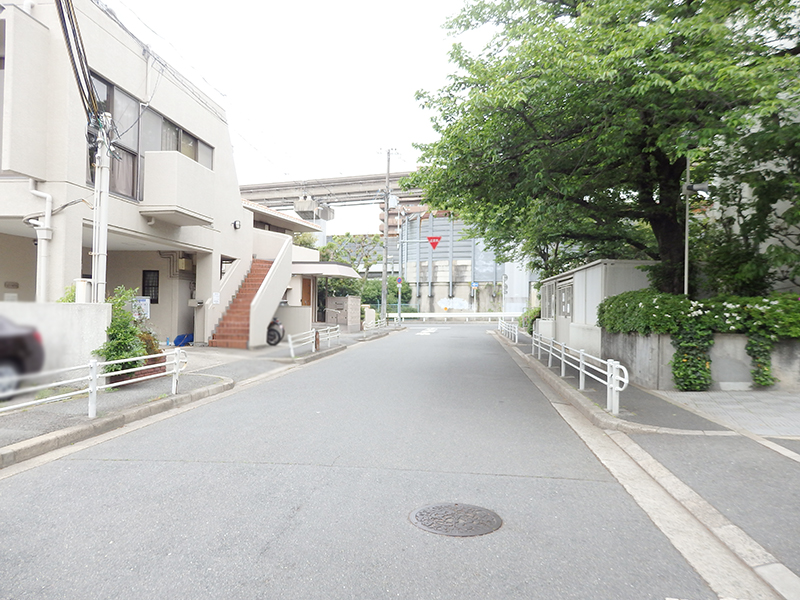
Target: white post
[
  {"x": 615, "y": 389},
  {"x": 563, "y": 361},
  {"x": 176, "y": 371},
  {"x": 609, "y": 383},
  {"x": 93, "y": 388},
  {"x": 582, "y": 376},
  {"x": 550, "y": 354},
  {"x": 101, "y": 199}
]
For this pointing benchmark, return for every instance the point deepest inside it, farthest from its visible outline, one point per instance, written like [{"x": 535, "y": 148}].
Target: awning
[{"x": 325, "y": 269}]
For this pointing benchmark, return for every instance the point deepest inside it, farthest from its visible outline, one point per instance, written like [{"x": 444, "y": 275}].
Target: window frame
[{"x": 147, "y": 286}]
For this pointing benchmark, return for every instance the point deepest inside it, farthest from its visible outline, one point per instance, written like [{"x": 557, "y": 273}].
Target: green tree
[
  {"x": 569, "y": 132},
  {"x": 305, "y": 240},
  {"x": 360, "y": 251}
]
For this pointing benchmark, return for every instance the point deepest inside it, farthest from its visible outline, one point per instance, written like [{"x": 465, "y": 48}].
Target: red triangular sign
[{"x": 434, "y": 240}]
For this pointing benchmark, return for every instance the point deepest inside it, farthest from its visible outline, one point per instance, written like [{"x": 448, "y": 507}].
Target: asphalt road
[{"x": 302, "y": 486}]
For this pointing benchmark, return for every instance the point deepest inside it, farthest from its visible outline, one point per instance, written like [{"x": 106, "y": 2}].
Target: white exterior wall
[
  {"x": 44, "y": 137},
  {"x": 18, "y": 268},
  {"x": 591, "y": 284}
]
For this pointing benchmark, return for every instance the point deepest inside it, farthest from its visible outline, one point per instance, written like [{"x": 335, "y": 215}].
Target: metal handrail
[
  {"x": 175, "y": 361},
  {"x": 298, "y": 340},
  {"x": 455, "y": 316},
  {"x": 509, "y": 330},
  {"x": 612, "y": 374},
  {"x": 377, "y": 324},
  {"x": 329, "y": 333}
]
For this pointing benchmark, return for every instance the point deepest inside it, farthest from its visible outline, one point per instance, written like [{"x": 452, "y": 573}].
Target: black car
[{"x": 21, "y": 352}]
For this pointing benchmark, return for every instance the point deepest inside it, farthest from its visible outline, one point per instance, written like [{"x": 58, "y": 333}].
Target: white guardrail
[
  {"x": 377, "y": 324},
  {"x": 314, "y": 338},
  {"x": 610, "y": 373},
  {"x": 456, "y": 316},
  {"x": 89, "y": 382},
  {"x": 509, "y": 330}
]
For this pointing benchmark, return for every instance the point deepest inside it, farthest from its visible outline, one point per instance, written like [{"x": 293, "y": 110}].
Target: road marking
[
  {"x": 721, "y": 568},
  {"x": 724, "y": 572},
  {"x": 428, "y": 331}
]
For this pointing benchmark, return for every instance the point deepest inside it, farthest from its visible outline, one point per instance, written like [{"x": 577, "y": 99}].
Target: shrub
[
  {"x": 123, "y": 333},
  {"x": 692, "y": 324}
]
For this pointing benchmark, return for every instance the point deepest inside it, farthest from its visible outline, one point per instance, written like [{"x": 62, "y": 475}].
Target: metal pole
[
  {"x": 686, "y": 234},
  {"x": 92, "y": 388},
  {"x": 385, "y": 234},
  {"x": 176, "y": 370},
  {"x": 582, "y": 378},
  {"x": 101, "y": 199}
]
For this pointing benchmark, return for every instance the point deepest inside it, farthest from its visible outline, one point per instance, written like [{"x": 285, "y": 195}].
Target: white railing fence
[
  {"x": 509, "y": 330},
  {"x": 329, "y": 334},
  {"x": 314, "y": 338},
  {"x": 458, "y": 316},
  {"x": 91, "y": 375},
  {"x": 377, "y": 324},
  {"x": 610, "y": 373}
]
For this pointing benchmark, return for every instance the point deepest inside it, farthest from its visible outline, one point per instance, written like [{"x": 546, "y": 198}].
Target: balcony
[{"x": 177, "y": 190}]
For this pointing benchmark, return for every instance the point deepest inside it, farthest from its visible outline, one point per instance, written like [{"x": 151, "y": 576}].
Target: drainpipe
[
  {"x": 28, "y": 5},
  {"x": 44, "y": 233}
]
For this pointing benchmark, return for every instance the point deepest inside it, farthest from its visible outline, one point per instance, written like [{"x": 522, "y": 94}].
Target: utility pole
[
  {"x": 386, "y": 234},
  {"x": 100, "y": 217}
]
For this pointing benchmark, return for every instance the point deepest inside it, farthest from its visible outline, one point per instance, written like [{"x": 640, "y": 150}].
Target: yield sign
[{"x": 434, "y": 240}]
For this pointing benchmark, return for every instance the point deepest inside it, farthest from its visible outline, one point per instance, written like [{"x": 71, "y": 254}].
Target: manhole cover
[{"x": 461, "y": 520}]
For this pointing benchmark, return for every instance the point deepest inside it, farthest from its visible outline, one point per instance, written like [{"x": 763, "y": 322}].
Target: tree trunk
[{"x": 667, "y": 222}]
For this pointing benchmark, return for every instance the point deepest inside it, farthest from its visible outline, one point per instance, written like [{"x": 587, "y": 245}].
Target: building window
[
  {"x": 150, "y": 285},
  {"x": 138, "y": 130}
]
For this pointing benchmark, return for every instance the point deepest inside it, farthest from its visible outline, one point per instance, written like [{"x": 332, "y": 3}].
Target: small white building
[{"x": 570, "y": 300}]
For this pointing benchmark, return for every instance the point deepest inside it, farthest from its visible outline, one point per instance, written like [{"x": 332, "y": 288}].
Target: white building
[{"x": 178, "y": 229}]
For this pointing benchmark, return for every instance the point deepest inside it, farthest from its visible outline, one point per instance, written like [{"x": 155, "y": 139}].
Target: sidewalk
[
  {"x": 767, "y": 413},
  {"x": 35, "y": 430}
]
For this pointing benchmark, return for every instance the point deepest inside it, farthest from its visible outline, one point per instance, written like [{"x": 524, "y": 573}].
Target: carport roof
[{"x": 325, "y": 269}]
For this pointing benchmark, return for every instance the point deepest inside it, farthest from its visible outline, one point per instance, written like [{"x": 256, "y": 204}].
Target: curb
[
  {"x": 302, "y": 360},
  {"x": 596, "y": 415},
  {"x": 31, "y": 448}
]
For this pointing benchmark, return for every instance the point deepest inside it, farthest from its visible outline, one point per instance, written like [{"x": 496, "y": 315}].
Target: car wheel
[{"x": 9, "y": 376}]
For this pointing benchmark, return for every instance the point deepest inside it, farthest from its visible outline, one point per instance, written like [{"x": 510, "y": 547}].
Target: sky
[{"x": 311, "y": 88}]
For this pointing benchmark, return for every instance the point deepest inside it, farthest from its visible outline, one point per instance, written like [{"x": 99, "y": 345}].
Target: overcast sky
[{"x": 312, "y": 88}]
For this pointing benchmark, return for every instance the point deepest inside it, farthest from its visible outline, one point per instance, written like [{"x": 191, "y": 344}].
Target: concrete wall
[
  {"x": 647, "y": 358},
  {"x": 70, "y": 332}
]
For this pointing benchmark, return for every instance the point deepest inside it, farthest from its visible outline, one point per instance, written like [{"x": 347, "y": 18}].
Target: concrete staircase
[{"x": 233, "y": 329}]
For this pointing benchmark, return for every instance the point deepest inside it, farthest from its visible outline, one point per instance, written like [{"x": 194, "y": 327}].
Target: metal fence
[
  {"x": 610, "y": 373},
  {"x": 459, "y": 316},
  {"x": 314, "y": 338},
  {"x": 377, "y": 324},
  {"x": 93, "y": 377},
  {"x": 509, "y": 330}
]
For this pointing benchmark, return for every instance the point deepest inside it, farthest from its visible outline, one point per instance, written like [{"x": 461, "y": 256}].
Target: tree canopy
[{"x": 567, "y": 137}]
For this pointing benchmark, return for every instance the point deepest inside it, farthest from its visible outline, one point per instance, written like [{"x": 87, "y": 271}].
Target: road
[{"x": 302, "y": 486}]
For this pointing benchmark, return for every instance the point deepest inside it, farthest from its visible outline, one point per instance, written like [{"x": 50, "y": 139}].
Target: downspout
[
  {"x": 44, "y": 233},
  {"x": 28, "y": 5}
]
